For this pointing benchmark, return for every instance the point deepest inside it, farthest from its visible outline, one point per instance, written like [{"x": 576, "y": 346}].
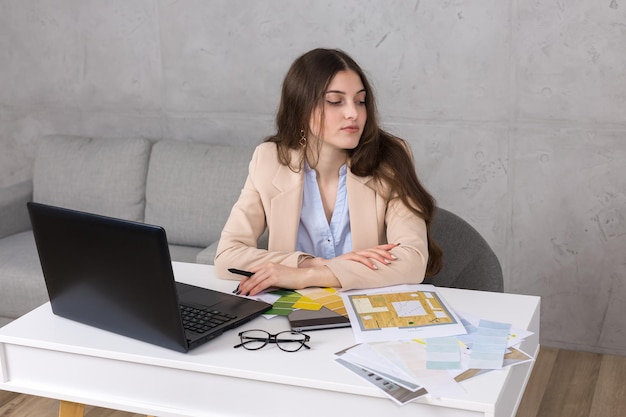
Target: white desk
[{"x": 45, "y": 355}]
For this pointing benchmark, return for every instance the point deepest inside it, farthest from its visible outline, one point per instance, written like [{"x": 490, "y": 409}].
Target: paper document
[
  {"x": 400, "y": 312},
  {"x": 394, "y": 391}
]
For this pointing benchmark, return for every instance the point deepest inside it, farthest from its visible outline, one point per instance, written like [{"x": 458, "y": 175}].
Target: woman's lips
[{"x": 350, "y": 129}]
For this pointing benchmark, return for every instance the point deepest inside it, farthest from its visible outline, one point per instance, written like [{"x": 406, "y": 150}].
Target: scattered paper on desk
[
  {"x": 411, "y": 358},
  {"x": 443, "y": 353},
  {"x": 493, "y": 328},
  {"x": 471, "y": 323},
  {"x": 489, "y": 345},
  {"x": 405, "y": 364},
  {"x": 266, "y": 297},
  {"x": 285, "y": 301},
  {"x": 367, "y": 355},
  {"x": 289, "y": 301},
  {"x": 394, "y": 391},
  {"x": 436, "y": 362},
  {"x": 327, "y": 297},
  {"x": 514, "y": 356}
]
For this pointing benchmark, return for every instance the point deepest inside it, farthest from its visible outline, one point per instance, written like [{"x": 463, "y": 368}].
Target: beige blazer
[{"x": 272, "y": 198}]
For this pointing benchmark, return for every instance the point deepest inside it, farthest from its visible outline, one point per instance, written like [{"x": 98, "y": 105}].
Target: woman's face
[{"x": 344, "y": 112}]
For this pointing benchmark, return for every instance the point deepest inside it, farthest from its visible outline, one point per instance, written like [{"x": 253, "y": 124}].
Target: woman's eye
[{"x": 334, "y": 103}]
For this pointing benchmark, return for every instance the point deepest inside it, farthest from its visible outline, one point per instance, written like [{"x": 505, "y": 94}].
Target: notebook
[
  {"x": 324, "y": 318},
  {"x": 117, "y": 275}
]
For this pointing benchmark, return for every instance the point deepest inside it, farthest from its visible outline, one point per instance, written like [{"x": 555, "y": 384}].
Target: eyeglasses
[{"x": 289, "y": 341}]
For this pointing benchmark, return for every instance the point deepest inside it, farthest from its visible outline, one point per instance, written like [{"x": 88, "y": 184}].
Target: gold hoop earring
[{"x": 302, "y": 140}]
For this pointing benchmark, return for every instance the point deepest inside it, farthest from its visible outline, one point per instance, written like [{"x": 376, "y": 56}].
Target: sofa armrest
[
  {"x": 13, "y": 212},
  {"x": 207, "y": 256}
]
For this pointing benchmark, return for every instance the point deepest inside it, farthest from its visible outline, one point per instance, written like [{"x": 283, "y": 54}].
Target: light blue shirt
[{"x": 315, "y": 235}]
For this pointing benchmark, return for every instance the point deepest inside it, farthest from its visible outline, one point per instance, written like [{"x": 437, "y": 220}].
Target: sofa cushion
[
  {"x": 104, "y": 176},
  {"x": 192, "y": 187}
]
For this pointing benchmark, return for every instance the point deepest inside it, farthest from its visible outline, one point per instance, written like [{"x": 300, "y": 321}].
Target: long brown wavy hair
[{"x": 379, "y": 154}]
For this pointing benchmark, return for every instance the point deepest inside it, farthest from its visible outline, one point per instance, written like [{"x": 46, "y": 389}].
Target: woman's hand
[
  {"x": 275, "y": 275},
  {"x": 311, "y": 272},
  {"x": 380, "y": 253}
]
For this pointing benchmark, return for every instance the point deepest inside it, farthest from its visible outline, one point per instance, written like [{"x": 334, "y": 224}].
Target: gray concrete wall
[{"x": 516, "y": 111}]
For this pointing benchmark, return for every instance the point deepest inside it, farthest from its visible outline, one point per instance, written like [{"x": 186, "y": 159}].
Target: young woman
[{"x": 339, "y": 196}]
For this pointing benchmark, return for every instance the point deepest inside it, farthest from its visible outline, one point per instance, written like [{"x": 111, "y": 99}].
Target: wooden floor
[
  {"x": 575, "y": 384},
  {"x": 563, "y": 384}
]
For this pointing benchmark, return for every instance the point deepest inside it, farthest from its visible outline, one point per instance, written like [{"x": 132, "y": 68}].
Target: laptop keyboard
[{"x": 201, "y": 320}]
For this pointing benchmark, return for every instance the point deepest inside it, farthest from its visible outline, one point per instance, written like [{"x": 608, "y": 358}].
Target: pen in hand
[{"x": 240, "y": 272}]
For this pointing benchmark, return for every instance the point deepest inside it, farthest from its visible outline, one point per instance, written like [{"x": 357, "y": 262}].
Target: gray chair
[{"x": 468, "y": 260}]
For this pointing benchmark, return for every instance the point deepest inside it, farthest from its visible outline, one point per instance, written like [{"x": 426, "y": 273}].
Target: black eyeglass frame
[{"x": 272, "y": 338}]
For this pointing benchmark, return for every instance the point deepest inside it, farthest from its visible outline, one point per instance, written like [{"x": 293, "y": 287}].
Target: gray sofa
[
  {"x": 186, "y": 187},
  {"x": 189, "y": 189}
]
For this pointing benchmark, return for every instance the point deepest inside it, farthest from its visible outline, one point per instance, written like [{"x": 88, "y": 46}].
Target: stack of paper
[{"x": 413, "y": 343}]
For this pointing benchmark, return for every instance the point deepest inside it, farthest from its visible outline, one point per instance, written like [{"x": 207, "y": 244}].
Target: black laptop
[{"x": 117, "y": 275}]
